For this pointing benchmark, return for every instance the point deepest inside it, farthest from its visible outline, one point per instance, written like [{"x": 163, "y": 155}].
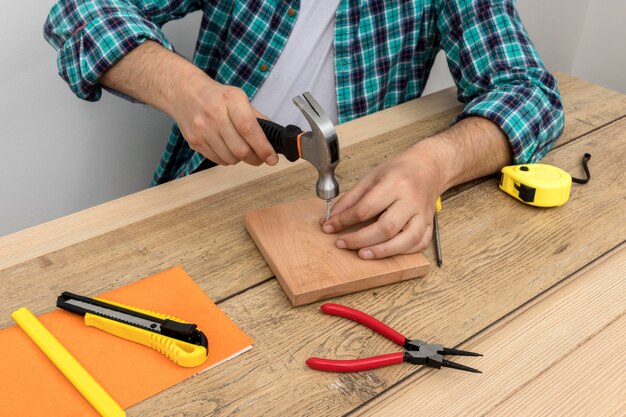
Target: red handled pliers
[{"x": 418, "y": 352}]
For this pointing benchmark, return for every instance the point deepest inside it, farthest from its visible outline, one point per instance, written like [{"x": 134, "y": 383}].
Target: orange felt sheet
[{"x": 30, "y": 385}]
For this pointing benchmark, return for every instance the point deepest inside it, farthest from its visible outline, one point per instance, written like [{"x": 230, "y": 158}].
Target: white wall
[
  {"x": 555, "y": 28},
  {"x": 601, "y": 54},
  {"x": 59, "y": 154}
]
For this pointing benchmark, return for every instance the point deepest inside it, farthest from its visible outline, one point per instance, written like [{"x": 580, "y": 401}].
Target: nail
[
  {"x": 341, "y": 244},
  {"x": 367, "y": 254},
  {"x": 329, "y": 229},
  {"x": 271, "y": 160}
]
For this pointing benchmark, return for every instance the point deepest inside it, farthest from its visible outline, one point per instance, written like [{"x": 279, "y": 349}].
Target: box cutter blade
[{"x": 178, "y": 340}]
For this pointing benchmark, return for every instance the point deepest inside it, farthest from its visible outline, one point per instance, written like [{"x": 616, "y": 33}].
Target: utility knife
[{"x": 183, "y": 343}]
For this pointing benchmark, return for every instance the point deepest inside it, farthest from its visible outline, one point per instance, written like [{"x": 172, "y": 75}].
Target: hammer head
[{"x": 320, "y": 146}]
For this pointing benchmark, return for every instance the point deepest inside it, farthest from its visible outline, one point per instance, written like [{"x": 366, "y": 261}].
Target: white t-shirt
[{"x": 305, "y": 64}]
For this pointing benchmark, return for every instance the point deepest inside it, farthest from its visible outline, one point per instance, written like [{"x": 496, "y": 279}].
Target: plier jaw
[
  {"x": 418, "y": 352},
  {"x": 433, "y": 358},
  {"x": 434, "y": 354},
  {"x": 414, "y": 344},
  {"x": 424, "y": 357}
]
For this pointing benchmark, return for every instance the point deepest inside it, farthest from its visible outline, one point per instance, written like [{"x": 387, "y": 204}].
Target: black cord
[{"x": 586, "y": 159}]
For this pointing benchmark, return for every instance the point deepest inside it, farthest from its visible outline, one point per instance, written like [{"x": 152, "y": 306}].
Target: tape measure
[{"x": 540, "y": 185}]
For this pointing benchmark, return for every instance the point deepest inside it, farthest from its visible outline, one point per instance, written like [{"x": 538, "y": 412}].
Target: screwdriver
[{"x": 436, "y": 233}]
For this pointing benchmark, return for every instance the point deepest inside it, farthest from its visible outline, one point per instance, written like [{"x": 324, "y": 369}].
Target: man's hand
[
  {"x": 219, "y": 122},
  {"x": 216, "y": 120},
  {"x": 400, "y": 194}
]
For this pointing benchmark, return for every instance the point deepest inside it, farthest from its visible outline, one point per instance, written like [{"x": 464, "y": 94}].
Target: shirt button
[
  {"x": 264, "y": 67},
  {"x": 291, "y": 12}
]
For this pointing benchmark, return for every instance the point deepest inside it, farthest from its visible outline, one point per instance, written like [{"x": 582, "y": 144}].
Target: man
[{"x": 356, "y": 57}]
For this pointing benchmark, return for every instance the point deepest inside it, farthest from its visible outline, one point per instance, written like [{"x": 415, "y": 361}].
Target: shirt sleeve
[
  {"x": 93, "y": 35},
  {"x": 499, "y": 74}
]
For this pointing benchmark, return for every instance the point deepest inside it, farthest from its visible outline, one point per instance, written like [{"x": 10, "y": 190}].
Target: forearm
[
  {"x": 92, "y": 36},
  {"x": 216, "y": 120},
  {"x": 154, "y": 75},
  {"x": 499, "y": 74},
  {"x": 472, "y": 148}
]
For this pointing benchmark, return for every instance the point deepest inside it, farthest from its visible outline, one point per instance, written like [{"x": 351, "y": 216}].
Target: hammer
[{"x": 319, "y": 146}]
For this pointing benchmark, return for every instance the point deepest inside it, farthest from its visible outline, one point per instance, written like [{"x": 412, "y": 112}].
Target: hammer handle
[{"x": 284, "y": 140}]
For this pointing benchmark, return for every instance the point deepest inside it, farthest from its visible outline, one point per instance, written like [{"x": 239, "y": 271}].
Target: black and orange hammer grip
[{"x": 284, "y": 140}]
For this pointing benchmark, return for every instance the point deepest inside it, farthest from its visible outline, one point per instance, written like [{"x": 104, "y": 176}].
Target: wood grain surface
[
  {"x": 525, "y": 356},
  {"x": 306, "y": 261},
  {"x": 499, "y": 254},
  {"x": 577, "y": 385}
]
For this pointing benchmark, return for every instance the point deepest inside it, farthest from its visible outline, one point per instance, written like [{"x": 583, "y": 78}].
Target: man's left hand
[{"x": 399, "y": 195}]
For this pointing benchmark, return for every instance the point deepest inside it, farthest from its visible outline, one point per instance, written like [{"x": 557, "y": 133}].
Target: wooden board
[{"x": 306, "y": 261}]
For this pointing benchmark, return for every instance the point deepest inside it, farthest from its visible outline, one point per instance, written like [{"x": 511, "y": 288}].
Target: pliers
[{"x": 418, "y": 352}]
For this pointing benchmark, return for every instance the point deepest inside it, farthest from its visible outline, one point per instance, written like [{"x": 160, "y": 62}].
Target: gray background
[{"x": 59, "y": 154}]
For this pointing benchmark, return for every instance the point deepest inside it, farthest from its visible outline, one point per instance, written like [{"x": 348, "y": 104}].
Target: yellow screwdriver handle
[{"x": 436, "y": 232}]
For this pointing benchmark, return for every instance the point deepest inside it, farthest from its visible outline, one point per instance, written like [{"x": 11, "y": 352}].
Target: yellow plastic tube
[{"x": 67, "y": 364}]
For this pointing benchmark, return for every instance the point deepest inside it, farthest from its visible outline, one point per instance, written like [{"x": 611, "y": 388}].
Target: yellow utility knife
[{"x": 179, "y": 341}]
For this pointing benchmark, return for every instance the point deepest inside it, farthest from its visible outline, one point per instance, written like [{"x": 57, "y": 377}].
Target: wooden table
[{"x": 541, "y": 292}]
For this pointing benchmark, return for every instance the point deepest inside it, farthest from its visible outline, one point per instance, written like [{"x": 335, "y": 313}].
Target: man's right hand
[
  {"x": 219, "y": 122},
  {"x": 216, "y": 120}
]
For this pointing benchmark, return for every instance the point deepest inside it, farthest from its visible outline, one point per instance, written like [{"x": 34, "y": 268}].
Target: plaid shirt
[{"x": 384, "y": 51}]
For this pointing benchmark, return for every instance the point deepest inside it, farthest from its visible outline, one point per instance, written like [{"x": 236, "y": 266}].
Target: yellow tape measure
[{"x": 540, "y": 185}]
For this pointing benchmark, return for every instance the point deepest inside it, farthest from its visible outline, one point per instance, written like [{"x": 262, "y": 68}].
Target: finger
[
  {"x": 414, "y": 238},
  {"x": 200, "y": 145},
  {"x": 423, "y": 244},
  {"x": 258, "y": 114},
  {"x": 208, "y": 140},
  {"x": 346, "y": 201},
  {"x": 374, "y": 202},
  {"x": 426, "y": 239},
  {"x": 245, "y": 122},
  {"x": 216, "y": 143},
  {"x": 388, "y": 225},
  {"x": 350, "y": 198},
  {"x": 238, "y": 146},
  {"x": 212, "y": 156}
]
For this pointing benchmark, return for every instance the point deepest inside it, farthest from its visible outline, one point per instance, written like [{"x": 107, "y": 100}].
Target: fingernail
[
  {"x": 367, "y": 254},
  {"x": 328, "y": 229},
  {"x": 271, "y": 160},
  {"x": 341, "y": 244}
]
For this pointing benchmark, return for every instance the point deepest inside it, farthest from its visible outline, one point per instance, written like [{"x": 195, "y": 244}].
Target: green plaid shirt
[{"x": 384, "y": 51}]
